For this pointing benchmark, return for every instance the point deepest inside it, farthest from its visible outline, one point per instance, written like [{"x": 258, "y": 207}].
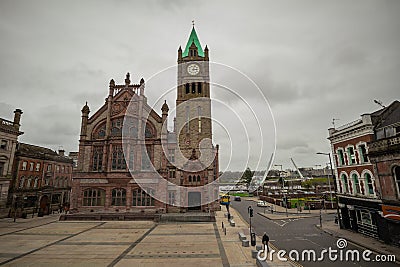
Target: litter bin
[{"x": 253, "y": 239}]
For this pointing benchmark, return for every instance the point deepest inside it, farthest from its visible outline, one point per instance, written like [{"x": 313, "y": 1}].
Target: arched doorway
[{"x": 44, "y": 206}]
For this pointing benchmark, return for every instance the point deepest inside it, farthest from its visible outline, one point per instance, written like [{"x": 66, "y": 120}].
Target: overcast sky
[{"x": 313, "y": 60}]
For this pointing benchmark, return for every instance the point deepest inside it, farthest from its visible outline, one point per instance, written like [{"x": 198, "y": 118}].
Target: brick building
[
  {"x": 41, "y": 180},
  {"x": 9, "y": 132},
  {"x": 129, "y": 162},
  {"x": 384, "y": 153},
  {"x": 358, "y": 199},
  {"x": 366, "y": 163}
]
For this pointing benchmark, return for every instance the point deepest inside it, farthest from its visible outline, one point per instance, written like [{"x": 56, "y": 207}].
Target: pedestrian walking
[{"x": 265, "y": 240}]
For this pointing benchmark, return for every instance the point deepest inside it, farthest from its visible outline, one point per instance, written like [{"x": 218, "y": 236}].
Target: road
[{"x": 301, "y": 234}]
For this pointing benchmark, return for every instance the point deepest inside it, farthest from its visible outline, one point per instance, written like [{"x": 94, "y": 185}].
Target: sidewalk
[
  {"x": 281, "y": 214},
  {"x": 236, "y": 254},
  {"x": 361, "y": 240}
]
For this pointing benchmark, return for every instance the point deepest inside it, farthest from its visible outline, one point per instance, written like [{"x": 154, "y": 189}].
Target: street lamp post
[
  {"x": 283, "y": 187},
  {"x": 329, "y": 183},
  {"x": 335, "y": 186}
]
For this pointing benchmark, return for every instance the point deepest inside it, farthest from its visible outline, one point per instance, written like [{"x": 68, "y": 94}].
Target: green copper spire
[{"x": 193, "y": 38}]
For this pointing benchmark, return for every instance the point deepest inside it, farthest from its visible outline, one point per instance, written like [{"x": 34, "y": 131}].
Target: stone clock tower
[
  {"x": 196, "y": 158},
  {"x": 193, "y": 113}
]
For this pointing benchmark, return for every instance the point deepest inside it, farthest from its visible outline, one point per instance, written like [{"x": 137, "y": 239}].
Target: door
[{"x": 194, "y": 201}]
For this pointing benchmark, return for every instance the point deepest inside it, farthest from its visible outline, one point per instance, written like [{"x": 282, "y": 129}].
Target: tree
[{"x": 247, "y": 176}]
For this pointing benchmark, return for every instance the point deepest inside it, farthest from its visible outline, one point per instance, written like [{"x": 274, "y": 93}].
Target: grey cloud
[{"x": 313, "y": 60}]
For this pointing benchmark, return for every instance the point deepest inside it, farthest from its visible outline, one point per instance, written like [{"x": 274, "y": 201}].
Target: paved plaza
[{"x": 46, "y": 241}]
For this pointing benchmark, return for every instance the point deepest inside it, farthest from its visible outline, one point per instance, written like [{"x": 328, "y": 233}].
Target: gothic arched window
[
  {"x": 118, "y": 160},
  {"x": 118, "y": 197},
  {"x": 148, "y": 132},
  {"x": 141, "y": 198},
  {"x": 100, "y": 132},
  {"x": 116, "y": 127},
  {"x": 94, "y": 197}
]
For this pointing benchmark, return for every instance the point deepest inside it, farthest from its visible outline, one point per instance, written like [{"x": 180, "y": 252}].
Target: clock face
[{"x": 193, "y": 69}]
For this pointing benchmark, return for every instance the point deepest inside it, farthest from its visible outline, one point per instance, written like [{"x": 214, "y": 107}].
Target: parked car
[
  {"x": 262, "y": 204},
  {"x": 237, "y": 198}
]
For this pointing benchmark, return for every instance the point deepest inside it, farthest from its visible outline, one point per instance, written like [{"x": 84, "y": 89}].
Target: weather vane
[{"x": 193, "y": 23}]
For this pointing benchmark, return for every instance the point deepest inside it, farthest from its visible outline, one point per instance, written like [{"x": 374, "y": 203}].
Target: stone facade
[
  {"x": 9, "y": 132},
  {"x": 129, "y": 162}
]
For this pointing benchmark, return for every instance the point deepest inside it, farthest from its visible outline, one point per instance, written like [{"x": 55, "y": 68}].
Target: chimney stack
[{"x": 17, "y": 118}]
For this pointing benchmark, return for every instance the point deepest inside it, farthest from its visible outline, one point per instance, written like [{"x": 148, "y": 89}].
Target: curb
[
  {"x": 271, "y": 245},
  {"x": 356, "y": 243}
]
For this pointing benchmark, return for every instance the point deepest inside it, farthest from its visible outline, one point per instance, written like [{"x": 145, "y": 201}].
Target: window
[
  {"x": 118, "y": 160},
  {"x": 147, "y": 156},
  {"x": 35, "y": 185},
  {"x": 198, "y": 178},
  {"x": 190, "y": 178},
  {"x": 363, "y": 153},
  {"x": 1, "y": 168},
  {"x": 57, "y": 169},
  {"x": 94, "y": 197},
  {"x": 131, "y": 158},
  {"x": 356, "y": 183},
  {"x": 364, "y": 217},
  {"x": 171, "y": 155},
  {"x": 199, "y": 88},
  {"x": 3, "y": 144},
  {"x": 97, "y": 158},
  {"x": 49, "y": 168},
  {"x": 24, "y": 164},
  {"x": 340, "y": 157},
  {"x": 172, "y": 173},
  {"x": 345, "y": 183},
  {"x": 31, "y": 165},
  {"x": 193, "y": 88},
  {"x": 351, "y": 155},
  {"x": 37, "y": 167},
  {"x": 187, "y": 87},
  {"x": 396, "y": 176},
  {"x": 369, "y": 184},
  {"x": 171, "y": 197},
  {"x": 63, "y": 169},
  {"x": 101, "y": 132},
  {"x": 141, "y": 198},
  {"x": 380, "y": 134},
  {"x": 21, "y": 182},
  {"x": 199, "y": 117},
  {"x": 148, "y": 132},
  {"x": 116, "y": 127},
  {"x": 118, "y": 197},
  {"x": 28, "y": 183}
]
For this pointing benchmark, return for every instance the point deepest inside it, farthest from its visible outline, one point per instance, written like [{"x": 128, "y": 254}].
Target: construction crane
[{"x": 297, "y": 169}]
